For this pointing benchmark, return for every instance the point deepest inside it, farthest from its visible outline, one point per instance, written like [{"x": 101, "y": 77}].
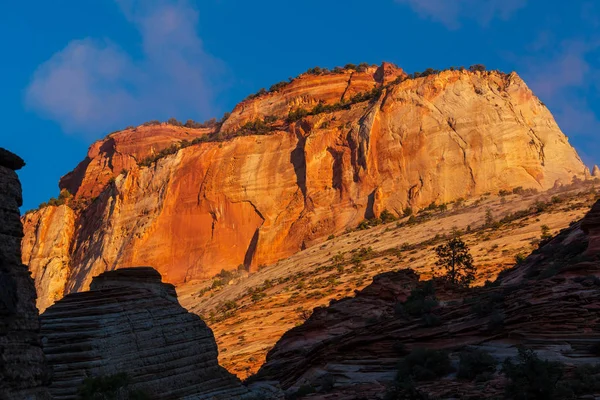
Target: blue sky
[{"x": 74, "y": 71}]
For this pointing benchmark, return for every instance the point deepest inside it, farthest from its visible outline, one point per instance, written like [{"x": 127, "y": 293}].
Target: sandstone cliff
[
  {"x": 253, "y": 199},
  {"x": 130, "y": 322},
  {"x": 550, "y": 303},
  {"x": 23, "y": 372}
]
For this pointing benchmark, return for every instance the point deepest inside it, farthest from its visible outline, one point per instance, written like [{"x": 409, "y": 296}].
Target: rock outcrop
[
  {"x": 591, "y": 227},
  {"x": 549, "y": 303},
  {"x": 254, "y": 199},
  {"x": 23, "y": 372},
  {"x": 130, "y": 322},
  {"x": 596, "y": 172}
]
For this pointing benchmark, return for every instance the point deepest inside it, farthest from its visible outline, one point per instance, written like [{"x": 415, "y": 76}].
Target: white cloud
[
  {"x": 93, "y": 85},
  {"x": 563, "y": 80},
  {"x": 451, "y": 12},
  {"x": 562, "y": 75}
]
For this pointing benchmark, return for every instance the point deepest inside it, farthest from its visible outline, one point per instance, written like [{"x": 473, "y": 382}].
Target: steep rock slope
[
  {"x": 130, "y": 322},
  {"x": 549, "y": 303},
  {"x": 249, "y": 313},
  {"x": 254, "y": 199},
  {"x": 23, "y": 372}
]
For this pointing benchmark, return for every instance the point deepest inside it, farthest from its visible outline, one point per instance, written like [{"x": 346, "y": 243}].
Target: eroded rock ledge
[{"x": 130, "y": 322}]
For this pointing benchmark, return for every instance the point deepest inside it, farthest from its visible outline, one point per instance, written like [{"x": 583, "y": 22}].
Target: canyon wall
[
  {"x": 23, "y": 371},
  {"x": 254, "y": 199}
]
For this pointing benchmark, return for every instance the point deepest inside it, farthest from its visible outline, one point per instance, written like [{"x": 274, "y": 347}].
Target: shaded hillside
[{"x": 402, "y": 338}]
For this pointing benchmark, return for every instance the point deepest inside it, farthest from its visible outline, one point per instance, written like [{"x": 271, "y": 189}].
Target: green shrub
[
  {"x": 530, "y": 378},
  {"x": 301, "y": 392},
  {"x": 224, "y": 117},
  {"x": 387, "y": 216},
  {"x": 420, "y": 302},
  {"x": 424, "y": 364},
  {"x": 475, "y": 363},
  {"x": 297, "y": 114},
  {"x": 584, "y": 380},
  {"x": 477, "y": 67},
  {"x": 111, "y": 387},
  {"x": 278, "y": 86},
  {"x": 174, "y": 122},
  {"x": 362, "y": 67},
  {"x": 256, "y": 127},
  {"x": 545, "y": 232},
  {"x": 363, "y": 225},
  {"x": 540, "y": 206}
]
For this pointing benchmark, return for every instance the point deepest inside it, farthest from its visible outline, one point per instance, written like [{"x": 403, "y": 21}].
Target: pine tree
[{"x": 455, "y": 257}]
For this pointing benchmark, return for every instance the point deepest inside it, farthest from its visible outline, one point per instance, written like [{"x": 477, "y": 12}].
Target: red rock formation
[
  {"x": 23, "y": 371},
  {"x": 120, "y": 151},
  {"x": 131, "y": 323},
  {"x": 254, "y": 199},
  {"x": 550, "y": 303}
]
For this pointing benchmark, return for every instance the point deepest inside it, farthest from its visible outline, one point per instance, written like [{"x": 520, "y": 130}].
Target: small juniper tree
[
  {"x": 489, "y": 218},
  {"x": 455, "y": 257},
  {"x": 545, "y": 232}
]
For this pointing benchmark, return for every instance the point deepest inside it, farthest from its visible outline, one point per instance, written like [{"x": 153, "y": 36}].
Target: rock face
[
  {"x": 254, "y": 199},
  {"x": 550, "y": 303},
  {"x": 591, "y": 227},
  {"x": 130, "y": 322},
  {"x": 23, "y": 372},
  {"x": 46, "y": 251}
]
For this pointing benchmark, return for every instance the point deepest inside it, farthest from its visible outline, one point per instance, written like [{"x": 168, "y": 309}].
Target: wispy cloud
[
  {"x": 452, "y": 12},
  {"x": 563, "y": 76},
  {"x": 93, "y": 85}
]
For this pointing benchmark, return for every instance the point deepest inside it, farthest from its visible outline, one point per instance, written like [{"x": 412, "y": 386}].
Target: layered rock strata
[
  {"x": 549, "y": 303},
  {"x": 254, "y": 199},
  {"x": 23, "y": 372},
  {"x": 130, "y": 322}
]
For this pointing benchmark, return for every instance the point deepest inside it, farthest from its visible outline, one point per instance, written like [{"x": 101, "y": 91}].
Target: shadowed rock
[
  {"x": 130, "y": 322},
  {"x": 23, "y": 372},
  {"x": 10, "y": 160}
]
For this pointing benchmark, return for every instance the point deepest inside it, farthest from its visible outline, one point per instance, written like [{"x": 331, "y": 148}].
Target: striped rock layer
[{"x": 130, "y": 322}]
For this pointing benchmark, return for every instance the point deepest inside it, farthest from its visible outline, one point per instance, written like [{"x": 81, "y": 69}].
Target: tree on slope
[{"x": 455, "y": 258}]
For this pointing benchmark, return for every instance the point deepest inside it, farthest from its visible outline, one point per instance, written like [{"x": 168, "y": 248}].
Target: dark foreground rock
[
  {"x": 131, "y": 323},
  {"x": 23, "y": 373}
]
